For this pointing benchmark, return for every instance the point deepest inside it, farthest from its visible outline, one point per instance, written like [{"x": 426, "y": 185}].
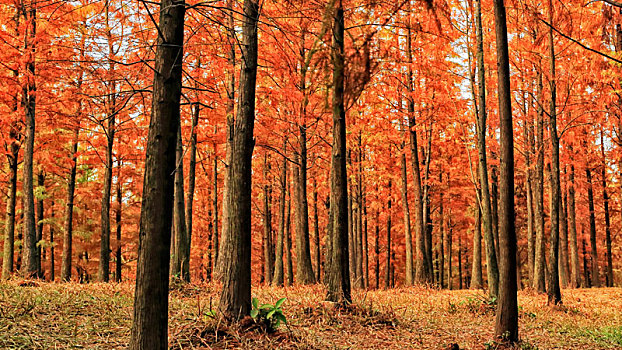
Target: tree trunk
[
  {"x": 540, "y": 261},
  {"x": 104, "y": 260},
  {"x": 594, "y": 253},
  {"x": 267, "y": 224},
  {"x": 586, "y": 269},
  {"x": 29, "y": 246},
  {"x": 563, "y": 238},
  {"x": 215, "y": 207},
  {"x": 443, "y": 236},
  {"x": 39, "y": 220},
  {"x": 609, "y": 269},
  {"x": 387, "y": 276},
  {"x": 476, "y": 271},
  {"x": 304, "y": 269},
  {"x": 554, "y": 292},
  {"x": 288, "y": 239},
  {"x": 235, "y": 301},
  {"x": 316, "y": 234},
  {"x": 9, "y": 228},
  {"x": 65, "y": 270},
  {"x": 486, "y": 206},
  {"x": 449, "y": 254},
  {"x": 181, "y": 258},
  {"x": 118, "y": 257},
  {"x": 407, "y": 233},
  {"x": 52, "y": 262},
  {"x": 575, "y": 269},
  {"x": 529, "y": 189},
  {"x": 339, "y": 274},
  {"x": 460, "y": 286},
  {"x": 506, "y": 325},
  {"x": 149, "y": 327},
  {"x": 278, "y": 277},
  {"x": 192, "y": 179},
  {"x": 377, "y": 250}
]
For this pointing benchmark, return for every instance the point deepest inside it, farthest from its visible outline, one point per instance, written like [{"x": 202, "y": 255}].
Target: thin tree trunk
[
  {"x": 586, "y": 269},
  {"x": 554, "y": 291},
  {"x": 506, "y": 325},
  {"x": 52, "y": 262},
  {"x": 316, "y": 234},
  {"x": 150, "y": 326},
  {"x": 119, "y": 258},
  {"x": 278, "y": 277},
  {"x": 215, "y": 207},
  {"x": 65, "y": 270},
  {"x": 563, "y": 238},
  {"x": 443, "y": 235},
  {"x": 594, "y": 253},
  {"x": 529, "y": 189},
  {"x": 460, "y": 286},
  {"x": 540, "y": 261},
  {"x": 377, "y": 250},
  {"x": 410, "y": 274},
  {"x": 192, "y": 179},
  {"x": 387, "y": 276},
  {"x": 450, "y": 285},
  {"x": 288, "y": 240},
  {"x": 181, "y": 259},
  {"x": 609, "y": 268},
  {"x": 267, "y": 224},
  {"x": 476, "y": 271},
  {"x": 575, "y": 269},
  {"x": 9, "y": 228},
  {"x": 104, "y": 259},
  {"x": 39, "y": 220}
]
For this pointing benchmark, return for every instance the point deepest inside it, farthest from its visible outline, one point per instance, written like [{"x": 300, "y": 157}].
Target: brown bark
[
  {"x": 180, "y": 265},
  {"x": 288, "y": 240},
  {"x": 235, "y": 300},
  {"x": 118, "y": 212},
  {"x": 594, "y": 253},
  {"x": 149, "y": 327},
  {"x": 575, "y": 269},
  {"x": 387, "y": 275},
  {"x": 609, "y": 268},
  {"x": 192, "y": 178},
  {"x": 316, "y": 234},
  {"x": 506, "y": 325},
  {"x": 268, "y": 265},
  {"x": 304, "y": 269},
  {"x": 338, "y": 274},
  {"x": 563, "y": 234},
  {"x": 278, "y": 277},
  {"x": 65, "y": 269},
  {"x": 377, "y": 250},
  {"x": 540, "y": 261},
  {"x": 410, "y": 273},
  {"x": 39, "y": 220},
  {"x": 476, "y": 268}
]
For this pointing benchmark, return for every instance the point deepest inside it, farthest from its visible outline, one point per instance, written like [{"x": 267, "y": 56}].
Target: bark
[
  {"x": 443, "y": 236},
  {"x": 365, "y": 243},
  {"x": 278, "y": 277},
  {"x": 215, "y": 239},
  {"x": 377, "y": 250},
  {"x": 460, "y": 286},
  {"x": 387, "y": 275},
  {"x": 410, "y": 273},
  {"x": 359, "y": 217},
  {"x": 267, "y": 225},
  {"x": 304, "y": 269},
  {"x": 118, "y": 257},
  {"x": 586, "y": 269},
  {"x": 29, "y": 245},
  {"x": 540, "y": 261},
  {"x": 39, "y": 220},
  {"x": 65, "y": 270},
  {"x": 52, "y": 262},
  {"x": 449, "y": 255},
  {"x": 288, "y": 240},
  {"x": 492, "y": 269},
  {"x": 9, "y": 228},
  {"x": 192, "y": 177},
  {"x": 609, "y": 268},
  {"x": 316, "y": 234},
  {"x": 506, "y": 325},
  {"x": 575, "y": 269},
  {"x": 476, "y": 271},
  {"x": 529, "y": 189},
  {"x": 149, "y": 327},
  {"x": 554, "y": 292},
  {"x": 563, "y": 235},
  {"x": 181, "y": 257},
  {"x": 593, "y": 252},
  {"x": 338, "y": 276},
  {"x": 235, "y": 301}
]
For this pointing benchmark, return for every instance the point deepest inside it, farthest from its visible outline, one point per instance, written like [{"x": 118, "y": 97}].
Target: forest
[{"x": 319, "y": 174}]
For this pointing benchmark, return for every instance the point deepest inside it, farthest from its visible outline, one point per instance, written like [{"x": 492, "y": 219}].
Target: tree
[
  {"x": 235, "y": 299},
  {"x": 150, "y": 323},
  {"x": 506, "y": 325}
]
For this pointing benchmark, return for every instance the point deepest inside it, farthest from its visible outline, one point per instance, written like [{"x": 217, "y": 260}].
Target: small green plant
[{"x": 270, "y": 315}]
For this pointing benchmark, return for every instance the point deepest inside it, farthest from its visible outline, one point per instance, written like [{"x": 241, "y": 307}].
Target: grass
[{"x": 98, "y": 316}]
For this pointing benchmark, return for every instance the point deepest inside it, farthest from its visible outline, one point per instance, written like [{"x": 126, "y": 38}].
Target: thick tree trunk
[
  {"x": 594, "y": 252},
  {"x": 9, "y": 224},
  {"x": 506, "y": 325},
  {"x": 65, "y": 270},
  {"x": 338, "y": 277},
  {"x": 235, "y": 301},
  {"x": 29, "y": 245},
  {"x": 554, "y": 292},
  {"x": 149, "y": 327}
]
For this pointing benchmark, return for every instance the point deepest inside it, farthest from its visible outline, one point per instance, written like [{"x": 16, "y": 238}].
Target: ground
[{"x": 98, "y": 316}]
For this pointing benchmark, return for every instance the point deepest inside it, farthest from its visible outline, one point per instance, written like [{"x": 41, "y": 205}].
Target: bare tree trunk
[
  {"x": 316, "y": 234},
  {"x": 365, "y": 243},
  {"x": 575, "y": 269},
  {"x": 267, "y": 224},
  {"x": 529, "y": 189},
  {"x": 609, "y": 269},
  {"x": 288, "y": 240},
  {"x": 39, "y": 220},
  {"x": 278, "y": 277},
  {"x": 118, "y": 257},
  {"x": 52, "y": 262},
  {"x": 554, "y": 291},
  {"x": 387, "y": 276},
  {"x": 65, "y": 270},
  {"x": 359, "y": 217},
  {"x": 215, "y": 239},
  {"x": 29, "y": 246},
  {"x": 586, "y": 269},
  {"x": 540, "y": 261},
  {"x": 150, "y": 326},
  {"x": 410, "y": 273},
  {"x": 460, "y": 286},
  {"x": 304, "y": 269},
  {"x": 594, "y": 253},
  {"x": 449, "y": 254},
  {"x": 443, "y": 235},
  {"x": 181, "y": 258},
  {"x": 476, "y": 271},
  {"x": 192, "y": 179},
  {"x": 377, "y": 250},
  {"x": 506, "y": 325},
  {"x": 338, "y": 276},
  {"x": 104, "y": 259},
  {"x": 235, "y": 301},
  {"x": 563, "y": 239}
]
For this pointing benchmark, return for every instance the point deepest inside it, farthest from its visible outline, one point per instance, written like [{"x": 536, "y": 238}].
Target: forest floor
[{"x": 98, "y": 316}]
